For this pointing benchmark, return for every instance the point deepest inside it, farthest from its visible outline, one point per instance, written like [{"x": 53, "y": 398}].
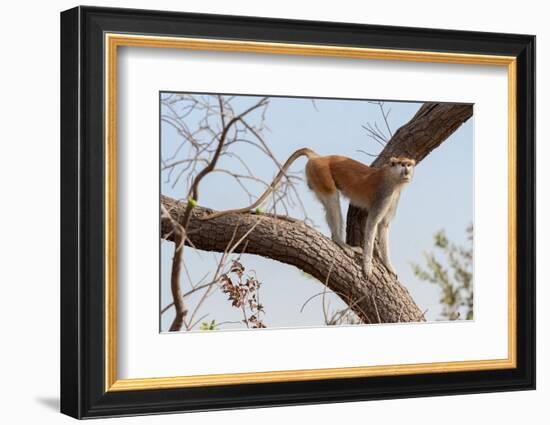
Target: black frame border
[{"x": 82, "y": 212}]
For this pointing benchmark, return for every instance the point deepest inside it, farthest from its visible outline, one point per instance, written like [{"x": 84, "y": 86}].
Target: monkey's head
[{"x": 403, "y": 168}]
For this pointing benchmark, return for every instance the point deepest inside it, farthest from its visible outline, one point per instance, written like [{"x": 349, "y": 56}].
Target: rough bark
[
  {"x": 380, "y": 299},
  {"x": 431, "y": 126}
]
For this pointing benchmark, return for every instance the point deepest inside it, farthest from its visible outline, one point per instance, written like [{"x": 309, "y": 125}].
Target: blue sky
[{"x": 439, "y": 197}]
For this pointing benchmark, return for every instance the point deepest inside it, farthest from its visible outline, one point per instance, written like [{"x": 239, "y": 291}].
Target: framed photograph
[{"x": 261, "y": 212}]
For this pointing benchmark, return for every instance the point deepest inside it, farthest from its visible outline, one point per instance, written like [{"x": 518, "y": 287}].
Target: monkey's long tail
[{"x": 300, "y": 152}]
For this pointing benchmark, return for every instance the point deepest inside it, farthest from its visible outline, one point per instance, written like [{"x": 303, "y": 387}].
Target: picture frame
[{"x": 90, "y": 40}]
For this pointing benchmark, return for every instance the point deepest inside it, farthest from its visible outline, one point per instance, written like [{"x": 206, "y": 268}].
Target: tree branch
[
  {"x": 380, "y": 299},
  {"x": 431, "y": 126}
]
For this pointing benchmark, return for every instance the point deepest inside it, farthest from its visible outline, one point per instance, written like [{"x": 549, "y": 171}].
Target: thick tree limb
[
  {"x": 380, "y": 299},
  {"x": 431, "y": 126}
]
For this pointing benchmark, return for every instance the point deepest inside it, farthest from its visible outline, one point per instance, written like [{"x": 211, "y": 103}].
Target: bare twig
[
  {"x": 376, "y": 309},
  {"x": 179, "y": 230},
  {"x": 312, "y": 298}
]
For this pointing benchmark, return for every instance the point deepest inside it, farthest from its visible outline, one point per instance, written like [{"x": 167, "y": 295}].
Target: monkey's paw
[
  {"x": 350, "y": 250},
  {"x": 392, "y": 272},
  {"x": 367, "y": 269},
  {"x": 353, "y": 251}
]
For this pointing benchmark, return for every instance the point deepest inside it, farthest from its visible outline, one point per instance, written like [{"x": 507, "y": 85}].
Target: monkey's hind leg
[{"x": 331, "y": 202}]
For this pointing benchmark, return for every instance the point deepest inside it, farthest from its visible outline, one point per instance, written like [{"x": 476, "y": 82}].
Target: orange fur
[{"x": 355, "y": 180}]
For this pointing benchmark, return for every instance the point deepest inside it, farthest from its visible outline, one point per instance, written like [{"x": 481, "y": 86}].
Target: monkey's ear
[
  {"x": 393, "y": 161},
  {"x": 413, "y": 162}
]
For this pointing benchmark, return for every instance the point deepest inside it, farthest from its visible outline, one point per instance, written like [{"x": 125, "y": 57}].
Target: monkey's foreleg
[
  {"x": 372, "y": 227},
  {"x": 383, "y": 235},
  {"x": 370, "y": 232}
]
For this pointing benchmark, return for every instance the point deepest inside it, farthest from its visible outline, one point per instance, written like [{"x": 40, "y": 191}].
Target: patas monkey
[{"x": 373, "y": 189}]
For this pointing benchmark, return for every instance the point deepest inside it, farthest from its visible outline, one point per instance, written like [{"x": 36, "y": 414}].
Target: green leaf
[
  {"x": 452, "y": 274},
  {"x": 205, "y": 326}
]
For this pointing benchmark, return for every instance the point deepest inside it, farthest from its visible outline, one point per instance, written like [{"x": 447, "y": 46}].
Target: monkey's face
[{"x": 403, "y": 168}]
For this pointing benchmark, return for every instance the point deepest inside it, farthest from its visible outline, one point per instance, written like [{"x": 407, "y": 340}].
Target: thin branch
[
  {"x": 191, "y": 326},
  {"x": 366, "y": 153},
  {"x": 376, "y": 309}
]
